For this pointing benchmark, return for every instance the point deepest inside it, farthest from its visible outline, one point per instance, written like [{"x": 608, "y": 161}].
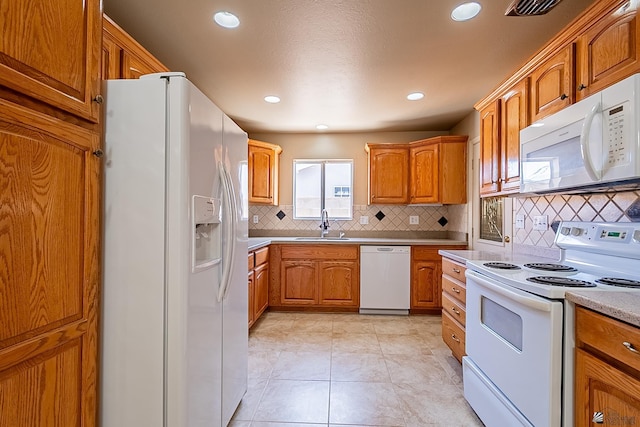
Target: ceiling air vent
[{"x": 530, "y": 7}]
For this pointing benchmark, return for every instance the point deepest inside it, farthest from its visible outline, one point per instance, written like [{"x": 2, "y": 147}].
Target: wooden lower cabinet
[
  {"x": 426, "y": 278},
  {"x": 315, "y": 277},
  {"x": 339, "y": 284},
  {"x": 454, "y": 299},
  {"x": 258, "y": 283},
  {"x": 49, "y": 269},
  {"x": 299, "y": 282},
  {"x": 607, "y": 371}
]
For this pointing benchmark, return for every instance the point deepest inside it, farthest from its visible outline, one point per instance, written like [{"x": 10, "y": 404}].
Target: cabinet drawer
[
  {"x": 453, "y": 335},
  {"x": 455, "y": 289},
  {"x": 251, "y": 261},
  {"x": 608, "y": 336},
  {"x": 454, "y": 270},
  {"x": 454, "y": 309},
  {"x": 319, "y": 252},
  {"x": 262, "y": 256}
]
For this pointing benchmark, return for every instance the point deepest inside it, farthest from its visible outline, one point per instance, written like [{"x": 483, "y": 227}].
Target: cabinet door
[
  {"x": 261, "y": 283},
  {"x": 608, "y": 51},
  {"x": 514, "y": 117},
  {"x": 605, "y": 392},
  {"x": 489, "y": 149},
  {"x": 262, "y": 173},
  {"x": 299, "y": 283},
  {"x": 251, "y": 290},
  {"x": 552, "y": 84},
  {"x": 133, "y": 66},
  {"x": 50, "y": 51},
  {"x": 111, "y": 57},
  {"x": 425, "y": 174},
  {"x": 339, "y": 283},
  {"x": 425, "y": 281},
  {"x": 49, "y": 198},
  {"x": 389, "y": 176}
]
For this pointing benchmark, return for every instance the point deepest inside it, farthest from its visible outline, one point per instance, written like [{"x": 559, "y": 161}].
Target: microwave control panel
[{"x": 617, "y": 135}]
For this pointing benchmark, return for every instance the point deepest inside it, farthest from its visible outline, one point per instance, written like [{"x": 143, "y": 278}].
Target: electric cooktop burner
[
  {"x": 561, "y": 281},
  {"x": 501, "y": 265},
  {"x": 549, "y": 267},
  {"x": 614, "y": 281}
]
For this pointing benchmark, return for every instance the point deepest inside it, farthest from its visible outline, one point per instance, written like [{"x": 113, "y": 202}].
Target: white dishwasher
[{"x": 385, "y": 274}]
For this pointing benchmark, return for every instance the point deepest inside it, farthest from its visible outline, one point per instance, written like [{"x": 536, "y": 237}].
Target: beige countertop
[
  {"x": 258, "y": 242},
  {"x": 624, "y": 306}
]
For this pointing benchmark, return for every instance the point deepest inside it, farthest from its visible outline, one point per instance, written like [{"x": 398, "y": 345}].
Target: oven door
[{"x": 514, "y": 339}]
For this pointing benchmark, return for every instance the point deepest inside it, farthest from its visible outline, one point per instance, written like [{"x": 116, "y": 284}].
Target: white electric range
[{"x": 520, "y": 330}]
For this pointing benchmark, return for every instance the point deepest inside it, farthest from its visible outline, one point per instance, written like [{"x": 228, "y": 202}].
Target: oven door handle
[{"x": 528, "y": 301}]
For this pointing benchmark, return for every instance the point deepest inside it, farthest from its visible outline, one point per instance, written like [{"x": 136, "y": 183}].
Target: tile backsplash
[
  {"x": 394, "y": 218},
  {"x": 605, "y": 207}
]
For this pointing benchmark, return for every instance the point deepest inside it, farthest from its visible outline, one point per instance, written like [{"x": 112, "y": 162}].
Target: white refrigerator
[{"x": 174, "y": 300}]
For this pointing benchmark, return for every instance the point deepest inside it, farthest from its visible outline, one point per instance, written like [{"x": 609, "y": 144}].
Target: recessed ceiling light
[
  {"x": 322, "y": 127},
  {"x": 415, "y": 96},
  {"x": 226, "y": 19},
  {"x": 272, "y": 99},
  {"x": 466, "y": 11}
]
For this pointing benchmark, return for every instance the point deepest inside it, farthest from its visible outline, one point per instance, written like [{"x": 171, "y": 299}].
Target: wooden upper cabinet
[
  {"x": 431, "y": 170},
  {"x": 123, "y": 57},
  {"x": 490, "y": 149},
  {"x": 552, "y": 84},
  {"x": 514, "y": 116},
  {"x": 608, "y": 51},
  {"x": 439, "y": 170},
  {"x": 264, "y": 172},
  {"x": 50, "y": 198},
  {"x": 424, "y": 169},
  {"x": 388, "y": 173},
  {"x": 50, "y": 51}
]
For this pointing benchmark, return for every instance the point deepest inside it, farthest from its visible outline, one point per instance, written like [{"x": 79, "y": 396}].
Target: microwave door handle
[{"x": 584, "y": 143}]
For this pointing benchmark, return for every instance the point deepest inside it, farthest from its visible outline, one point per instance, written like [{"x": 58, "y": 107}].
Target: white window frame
[{"x": 322, "y": 163}]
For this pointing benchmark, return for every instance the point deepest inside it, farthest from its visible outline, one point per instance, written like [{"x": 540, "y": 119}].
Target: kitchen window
[{"x": 322, "y": 184}]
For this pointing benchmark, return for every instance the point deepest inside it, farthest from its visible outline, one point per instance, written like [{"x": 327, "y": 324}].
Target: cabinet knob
[
  {"x": 563, "y": 96},
  {"x": 581, "y": 87},
  {"x": 98, "y": 153},
  {"x": 455, "y": 311},
  {"x": 455, "y": 338},
  {"x": 456, "y": 290},
  {"x": 455, "y": 270},
  {"x": 99, "y": 99},
  {"x": 630, "y": 347}
]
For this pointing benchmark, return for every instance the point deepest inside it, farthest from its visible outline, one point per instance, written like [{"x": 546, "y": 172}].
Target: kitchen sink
[{"x": 319, "y": 239}]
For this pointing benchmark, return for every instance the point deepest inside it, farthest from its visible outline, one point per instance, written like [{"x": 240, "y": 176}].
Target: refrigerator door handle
[
  {"x": 234, "y": 228},
  {"x": 227, "y": 255}
]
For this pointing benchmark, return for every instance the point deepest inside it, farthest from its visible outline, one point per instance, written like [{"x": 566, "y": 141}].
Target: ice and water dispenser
[{"x": 207, "y": 240}]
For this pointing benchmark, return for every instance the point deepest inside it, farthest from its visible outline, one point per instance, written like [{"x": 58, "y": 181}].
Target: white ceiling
[{"x": 345, "y": 63}]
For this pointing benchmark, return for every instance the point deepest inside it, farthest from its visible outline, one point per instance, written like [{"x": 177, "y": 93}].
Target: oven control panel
[{"x": 609, "y": 238}]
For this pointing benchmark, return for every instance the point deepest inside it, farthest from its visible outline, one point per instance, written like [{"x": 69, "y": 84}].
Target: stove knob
[
  {"x": 576, "y": 231},
  {"x": 565, "y": 231}
]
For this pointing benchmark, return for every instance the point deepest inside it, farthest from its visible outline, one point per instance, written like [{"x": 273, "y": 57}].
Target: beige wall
[
  {"x": 470, "y": 125},
  {"x": 332, "y": 146}
]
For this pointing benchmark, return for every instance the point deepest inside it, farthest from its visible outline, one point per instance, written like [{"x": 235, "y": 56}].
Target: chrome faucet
[{"x": 324, "y": 223}]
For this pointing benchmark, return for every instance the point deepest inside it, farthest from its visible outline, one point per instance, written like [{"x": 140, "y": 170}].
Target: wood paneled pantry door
[{"x": 49, "y": 229}]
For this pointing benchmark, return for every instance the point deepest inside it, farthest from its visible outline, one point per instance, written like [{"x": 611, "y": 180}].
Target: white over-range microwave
[{"x": 592, "y": 145}]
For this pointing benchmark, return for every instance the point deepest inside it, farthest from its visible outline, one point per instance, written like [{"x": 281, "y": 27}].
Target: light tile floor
[{"x": 316, "y": 369}]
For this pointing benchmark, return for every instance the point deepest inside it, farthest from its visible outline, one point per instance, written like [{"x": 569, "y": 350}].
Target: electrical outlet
[
  {"x": 519, "y": 220},
  {"x": 414, "y": 219},
  {"x": 541, "y": 222},
  {"x": 256, "y": 219},
  {"x": 364, "y": 220}
]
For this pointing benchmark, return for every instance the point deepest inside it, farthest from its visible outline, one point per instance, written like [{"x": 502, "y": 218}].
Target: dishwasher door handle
[{"x": 384, "y": 249}]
